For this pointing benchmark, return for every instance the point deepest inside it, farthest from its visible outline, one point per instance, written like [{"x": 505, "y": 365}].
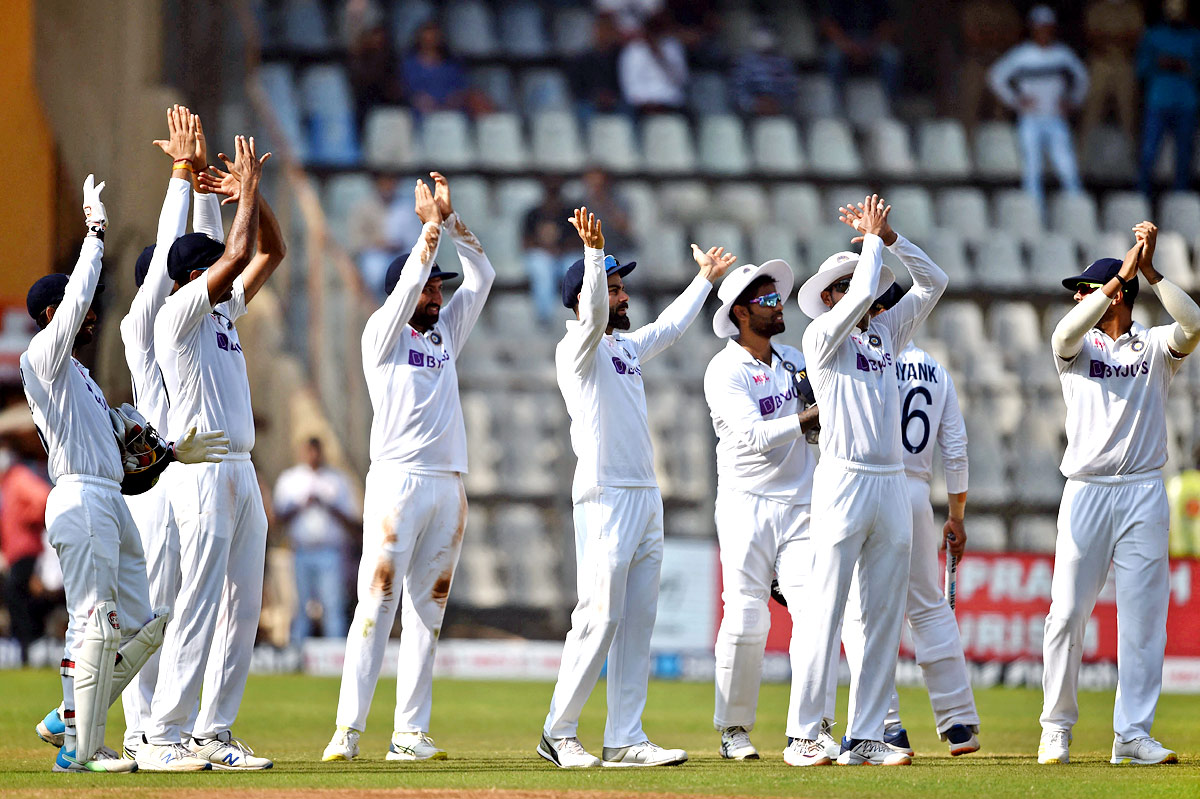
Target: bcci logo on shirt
[
  {"x": 874, "y": 340},
  {"x": 1138, "y": 345}
]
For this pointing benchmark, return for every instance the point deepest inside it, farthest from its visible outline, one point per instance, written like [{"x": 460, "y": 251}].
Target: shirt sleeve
[
  {"x": 730, "y": 401},
  {"x": 651, "y": 339},
  {"x": 952, "y": 438},
  {"x": 582, "y": 340},
  {"x": 1000, "y": 78},
  {"x": 236, "y": 305},
  {"x": 1067, "y": 338},
  {"x": 385, "y": 325},
  {"x": 826, "y": 333},
  {"x": 137, "y": 328},
  {"x": 50, "y": 349},
  {"x": 283, "y": 498},
  {"x": 929, "y": 282},
  {"x": 206, "y": 216},
  {"x": 1079, "y": 77},
  {"x": 462, "y": 312},
  {"x": 1184, "y": 335},
  {"x": 183, "y": 311}
]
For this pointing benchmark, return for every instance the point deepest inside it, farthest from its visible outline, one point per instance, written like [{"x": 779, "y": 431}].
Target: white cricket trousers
[
  {"x": 413, "y": 528},
  {"x": 218, "y": 510},
  {"x": 101, "y": 558},
  {"x": 760, "y": 539},
  {"x": 855, "y": 529},
  {"x": 151, "y": 512},
  {"x": 618, "y": 552},
  {"x": 936, "y": 641},
  {"x": 1122, "y": 521}
]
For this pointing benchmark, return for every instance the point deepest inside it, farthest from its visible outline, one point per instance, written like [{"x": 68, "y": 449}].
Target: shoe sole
[
  {"x": 1117, "y": 761},
  {"x": 964, "y": 750},
  {"x": 54, "y": 739},
  {"x": 553, "y": 760},
  {"x": 751, "y": 756},
  {"x": 1053, "y": 761},
  {"x": 821, "y": 761},
  {"x": 401, "y": 758},
  {"x": 617, "y": 764},
  {"x": 223, "y": 767},
  {"x": 339, "y": 757},
  {"x": 162, "y": 770},
  {"x": 906, "y": 762}
]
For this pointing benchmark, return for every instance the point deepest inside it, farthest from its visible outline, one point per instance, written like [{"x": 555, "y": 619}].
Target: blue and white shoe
[
  {"x": 52, "y": 729},
  {"x": 896, "y": 739},
  {"x": 168, "y": 757},
  {"x": 104, "y": 762},
  {"x": 962, "y": 739}
]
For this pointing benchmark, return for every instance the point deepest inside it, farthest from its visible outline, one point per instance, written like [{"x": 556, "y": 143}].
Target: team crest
[
  {"x": 1138, "y": 345},
  {"x": 435, "y": 337},
  {"x": 789, "y": 367},
  {"x": 874, "y": 340}
]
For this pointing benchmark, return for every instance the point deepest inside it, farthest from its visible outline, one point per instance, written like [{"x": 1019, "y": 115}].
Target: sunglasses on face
[
  {"x": 1087, "y": 288},
  {"x": 841, "y": 287},
  {"x": 772, "y": 300}
]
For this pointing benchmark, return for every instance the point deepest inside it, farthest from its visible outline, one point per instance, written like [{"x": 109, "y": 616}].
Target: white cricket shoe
[
  {"x": 168, "y": 757},
  {"x": 1055, "y": 747},
  {"x": 1143, "y": 751},
  {"x": 104, "y": 762},
  {"x": 643, "y": 754},
  {"x": 343, "y": 745},
  {"x": 566, "y": 752},
  {"x": 873, "y": 753},
  {"x": 413, "y": 746},
  {"x": 806, "y": 752},
  {"x": 735, "y": 744},
  {"x": 227, "y": 753},
  {"x": 832, "y": 746}
]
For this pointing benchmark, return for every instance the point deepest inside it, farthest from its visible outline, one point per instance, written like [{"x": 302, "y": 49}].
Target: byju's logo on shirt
[
  {"x": 624, "y": 368},
  {"x": 768, "y": 405},
  {"x": 224, "y": 343},
  {"x": 1101, "y": 370},
  {"x": 430, "y": 361},
  {"x": 865, "y": 364}
]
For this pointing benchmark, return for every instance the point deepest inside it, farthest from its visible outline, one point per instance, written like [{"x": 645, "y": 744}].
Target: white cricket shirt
[
  {"x": 1046, "y": 76},
  {"x": 760, "y": 447},
  {"x": 853, "y": 372},
  {"x": 1116, "y": 394},
  {"x": 600, "y": 377},
  {"x": 929, "y": 411},
  {"x": 314, "y": 524},
  {"x": 203, "y": 367},
  {"x": 69, "y": 409},
  {"x": 411, "y": 376}
]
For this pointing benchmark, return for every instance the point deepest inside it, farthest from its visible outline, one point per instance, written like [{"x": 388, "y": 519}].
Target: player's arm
[
  {"x": 952, "y": 438},
  {"x": 1184, "y": 335},
  {"x": 664, "y": 331},
  {"x": 385, "y": 325},
  {"x": 954, "y": 531},
  {"x": 271, "y": 250},
  {"x": 929, "y": 283},
  {"x": 206, "y": 214},
  {"x": 239, "y": 247},
  {"x": 1067, "y": 339},
  {"x": 461, "y": 313},
  {"x": 1077, "y": 79},
  {"x": 593, "y": 294},
  {"x": 730, "y": 401},
  {"x": 1000, "y": 78}
]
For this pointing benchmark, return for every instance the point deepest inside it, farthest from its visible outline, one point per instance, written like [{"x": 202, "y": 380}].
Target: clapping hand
[
  {"x": 587, "y": 225},
  {"x": 714, "y": 263},
  {"x": 869, "y": 216}
]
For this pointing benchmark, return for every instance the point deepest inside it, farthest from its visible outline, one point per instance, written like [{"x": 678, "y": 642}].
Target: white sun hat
[
  {"x": 835, "y": 267},
  {"x": 735, "y": 283}
]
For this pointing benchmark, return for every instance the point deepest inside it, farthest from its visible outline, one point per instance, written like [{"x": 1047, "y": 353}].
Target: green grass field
[{"x": 490, "y": 730}]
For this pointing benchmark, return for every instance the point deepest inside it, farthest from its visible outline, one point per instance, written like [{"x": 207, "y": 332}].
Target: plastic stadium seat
[
  {"x": 544, "y": 90},
  {"x": 342, "y": 193},
  {"x": 961, "y": 323},
  {"x": 304, "y": 26},
  {"x": 326, "y": 90},
  {"x": 388, "y": 139},
  {"x": 964, "y": 210},
  {"x": 723, "y": 145},
  {"x": 476, "y": 580},
  {"x": 797, "y": 33},
  {"x": 888, "y": 149},
  {"x": 1171, "y": 258},
  {"x": 773, "y": 241},
  {"x": 834, "y": 196},
  {"x": 1124, "y": 209},
  {"x": 998, "y": 263},
  {"x": 470, "y": 198},
  {"x": 685, "y": 200},
  {"x": 1179, "y": 211},
  {"x": 523, "y": 30},
  {"x": 1017, "y": 214},
  {"x": 912, "y": 210},
  {"x": 497, "y": 83},
  {"x": 720, "y": 233},
  {"x": 775, "y": 142},
  {"x": 832, "y": 146},
  {"x": 514, "y": 197},
  {"x": 1106, "y": 245},
  {"x": 446, "y": 140},
  {"x": 1037, "y": 453},
  {"x": 469, "y": 29},
  {"x": 942, "y": 148},
  {"x": 333, "y": 138},
  {"x": 1074, "y": 214},
  {"x": 744, "y": 202},
  {"x": 501, "y": 238},
  {"x": 796, "y": 206},
  {"x": 827, "y": 240},
  {"x": 276, "y": 80},
  {"x": 667, "y": 144},
  {"x": 572, "y": 31},
  {"x": 949, "y": 251},
  {"x": 1034, "y": 534},
  {"x": 556, "y": 141},
  {"x": 642, "y": 203},
  {"x": 817, "y": 97},
  {"x": 1014, "y": 328},
  {"x": 612, "y": 142},
  {"x": 989, "y": 482},
  {"x": 1052, "y": 257},
  {"x": 997, "y": 154},
  {"x": 664, "y": 252},
  {"x": 866, "y": 102},
  {"x": 988, "y": 534},
  {"x": 483, "y": 450},
  {"x": 501, "y": 143},
  {"x": 1108, "y": 155},
  {"x": 407, "y": 17},
  {"x": 708, "y": 94}
]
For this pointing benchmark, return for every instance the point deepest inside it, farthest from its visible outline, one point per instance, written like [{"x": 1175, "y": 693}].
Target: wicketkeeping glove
[
  {"x": 201, "y": 447},
  {"x": 808, "y": 399},
  {"x": 93, "y": 208}
]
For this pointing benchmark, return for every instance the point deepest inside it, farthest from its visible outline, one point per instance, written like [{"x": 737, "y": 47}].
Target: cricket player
[
  {"x": 618, "y": 508},
  {"x": 216, "y": 507},
  {"x": 929, "y": 412},
  {"x": 415, "y": 508},
  {"x": 859, "y": 481},
  {"x": 151, "y": 510},
  {"x": 1115, "y": 374},
  {"x": 761, "y": 408}
]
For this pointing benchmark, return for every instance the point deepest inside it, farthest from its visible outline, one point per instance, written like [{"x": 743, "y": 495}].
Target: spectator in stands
[
  {"x": 629, "y": 15},
  {"x": 764, "y": 80},
  {"x": 381, "y": 226},
  {"x": 599, "y": 197},
  {"x": 1043, "y": 80},
  {"x": 697, "y": 25},
  {"x": 1183, "y": 493},
  {"x": 989, "y": 29},
  {"x": 23, "y": 495},
  {"x": 549, "y": 250},
  {"x": 859, "y": 35},
  {"x": 372, "y": 70},
  {"x": 314, "y": 503},
  {"x": 1168, "y": 60},
  {"x": 1113, "y": 29},
  {"x": 593, "y": 75},
  {"x": 653, "y": 69},
  {"x": 434, "y": 82}
]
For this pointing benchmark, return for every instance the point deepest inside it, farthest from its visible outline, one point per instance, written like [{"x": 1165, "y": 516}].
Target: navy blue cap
[
  {"x": 142, "y": 267},
  {"x": 397, "y": 266},
  {"x": 48, "y": 290},
  {"x": 190, "y": 252},
  {"x": 889, "y": 298},
  {"x": 572, "y": 282},
  {"x": 1101, "y": 271}
]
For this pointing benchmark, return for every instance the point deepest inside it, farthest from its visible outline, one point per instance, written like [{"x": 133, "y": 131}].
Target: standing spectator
[
  {"x": 381, "y": 226},
  {"x": 372, "y": 69},
  {"x": 313, "y": 501},
  {"x": 1113, "y": 28},
  {"x": 1042, "y": 79},
  {"x": 23, "y": 496},
  {"x": 593, "y": 74},
  {"x": 1183, "y": 494},
  {"x": 435, "y": 82},
  {"x": 598, "y": 195},
  {"x": 653, "y": 69},
  {"x": 989, "y": 29},
  {"x": 629, "y": 14},
  {"x": 860, "y": 35},
  {"x": 548, "y": 248},
  {"x": 1168, "y": 60},
  {"x": 764, "y": 80}
]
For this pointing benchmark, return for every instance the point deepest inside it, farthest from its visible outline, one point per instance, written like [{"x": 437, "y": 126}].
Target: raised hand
[
  {"x": 441, "y": 194},
  {"x": 1147, "y": 233},
  {"x": 587, "y": 225},
  {"x": 200, "y": 152},
  {"x": 426, "y": 206},
  {"x": 93, "y": 208},
  {"x": 869, "y": 216},
  {"x": 180, "y": 143},
  {"x": 246, "y": 166},
  {"x": 215, "y": 181},
  {"x": 714, "y": 263}
]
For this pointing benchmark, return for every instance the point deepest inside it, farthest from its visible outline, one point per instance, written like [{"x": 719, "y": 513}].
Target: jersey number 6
[{"x": 910, "y": 413}]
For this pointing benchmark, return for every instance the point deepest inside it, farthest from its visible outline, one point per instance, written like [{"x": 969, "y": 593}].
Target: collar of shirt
[{"x": 1135, "y": 330}]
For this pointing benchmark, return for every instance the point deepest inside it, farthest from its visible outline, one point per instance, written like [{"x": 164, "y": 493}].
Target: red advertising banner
[{"x": 1002, "y": 603}]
